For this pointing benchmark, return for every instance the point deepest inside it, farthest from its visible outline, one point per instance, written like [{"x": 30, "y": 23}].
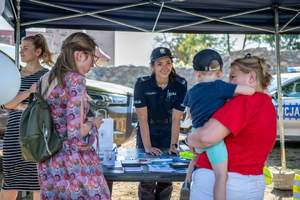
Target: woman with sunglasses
[
  {"x": 75, "y": 171},
  {"x": 248, "y": 126}
]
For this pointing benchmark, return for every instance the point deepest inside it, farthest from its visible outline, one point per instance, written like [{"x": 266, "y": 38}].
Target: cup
[{"x": 109, "y": 158}]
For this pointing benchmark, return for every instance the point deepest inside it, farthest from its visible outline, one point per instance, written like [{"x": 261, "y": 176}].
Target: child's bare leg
[{"x": 220, "y": 171}]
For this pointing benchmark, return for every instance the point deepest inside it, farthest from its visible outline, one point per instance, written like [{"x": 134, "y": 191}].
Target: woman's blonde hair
[
  {"x": 65, "y": 62},
  {"x": 39, "y": 42},
  {"x": 258, "y": 65}
]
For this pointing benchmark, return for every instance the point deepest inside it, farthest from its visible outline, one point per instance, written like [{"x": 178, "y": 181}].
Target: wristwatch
[{"x": 176, "y": 145}]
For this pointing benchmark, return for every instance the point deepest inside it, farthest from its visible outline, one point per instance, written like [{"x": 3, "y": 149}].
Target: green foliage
[
  {"x": 185, "y": 46},
  {"x": 287, "y": 42}
]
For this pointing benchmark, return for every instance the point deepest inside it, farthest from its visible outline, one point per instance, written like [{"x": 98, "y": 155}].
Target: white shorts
[{"x": 245, "y": 187}]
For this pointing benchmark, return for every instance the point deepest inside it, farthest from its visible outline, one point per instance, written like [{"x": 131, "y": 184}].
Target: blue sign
[{"x": 290, "y": 111}]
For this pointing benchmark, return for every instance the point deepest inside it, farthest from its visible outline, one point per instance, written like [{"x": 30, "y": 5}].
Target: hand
[
  {"x": 98, "y": 121},
  {"x": 84, "y": 147},
  {"x": 188, "y": 177},
  {"x": 190, "y": 170},
  {"x": 190, "y": 141},
  {"x": 153, "y": 151},
  {"x": 33, "y": 88},
  {"x": 173, "y": 150},
  {"x": 21, "y": 107}
]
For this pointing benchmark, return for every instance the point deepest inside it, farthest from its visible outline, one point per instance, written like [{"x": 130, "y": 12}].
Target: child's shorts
[{"x": 216, "y": 153}]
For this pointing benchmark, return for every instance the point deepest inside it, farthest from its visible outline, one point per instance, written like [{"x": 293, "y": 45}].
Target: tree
[
  {"x": 184, "y": 46},
  {"x": 287, "y": 42}
]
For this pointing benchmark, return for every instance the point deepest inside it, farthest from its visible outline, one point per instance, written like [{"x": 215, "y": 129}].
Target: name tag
[
  {"x": 150, "y": 93},
  {"x": 137, "y": 101}
]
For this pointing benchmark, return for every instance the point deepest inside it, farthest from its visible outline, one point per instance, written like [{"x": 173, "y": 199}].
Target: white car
[{"x": 290, "y": 103}]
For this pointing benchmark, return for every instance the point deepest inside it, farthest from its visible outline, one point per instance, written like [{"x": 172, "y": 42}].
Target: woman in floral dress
[{"x": 75, "y": 171}]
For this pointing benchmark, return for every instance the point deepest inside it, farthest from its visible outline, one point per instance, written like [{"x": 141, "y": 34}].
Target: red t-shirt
[{"x": 252, "y": 123}]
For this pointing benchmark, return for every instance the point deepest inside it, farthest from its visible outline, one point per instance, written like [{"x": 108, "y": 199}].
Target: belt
[{"x": 160, "y": 121}]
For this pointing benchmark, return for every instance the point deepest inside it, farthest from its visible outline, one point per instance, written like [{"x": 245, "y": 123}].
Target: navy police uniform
[{"x": 159, "y": 103}]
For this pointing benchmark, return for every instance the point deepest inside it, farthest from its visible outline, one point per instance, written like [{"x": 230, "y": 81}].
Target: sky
[
  {"x": 4, "y": 25},
  {"x": 133, "y": 48}
]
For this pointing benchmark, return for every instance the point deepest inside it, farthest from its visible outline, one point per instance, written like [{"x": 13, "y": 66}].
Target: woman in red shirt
[{"x": 248, "y": 126}]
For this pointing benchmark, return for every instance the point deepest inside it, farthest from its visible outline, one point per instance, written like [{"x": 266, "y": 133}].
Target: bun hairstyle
[
  {"x": 39, "y": 42},
  {"x": 65, "y": 62},
  {"x": 258, "y": 65}
]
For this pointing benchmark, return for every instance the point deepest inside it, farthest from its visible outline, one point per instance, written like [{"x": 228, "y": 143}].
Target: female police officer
[{"x": 158, "y": 100}]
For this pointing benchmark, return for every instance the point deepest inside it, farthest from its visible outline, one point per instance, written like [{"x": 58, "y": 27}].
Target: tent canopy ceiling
[{"x": 189, "y": 16}]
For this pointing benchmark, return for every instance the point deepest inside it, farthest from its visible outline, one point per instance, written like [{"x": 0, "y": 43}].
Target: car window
[
  {"x": 273, "y": 85},
  {"x": 292, "y": 89}
]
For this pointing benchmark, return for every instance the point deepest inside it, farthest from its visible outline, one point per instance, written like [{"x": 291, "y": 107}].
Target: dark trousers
[{"x": 155, "y": 190}]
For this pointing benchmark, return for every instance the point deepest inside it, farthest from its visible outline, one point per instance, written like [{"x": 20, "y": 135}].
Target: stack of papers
[
  {"x": 161, "y": 160},
  {"x": 133, "y": 169},
  {"x": 160, "y": 168}
]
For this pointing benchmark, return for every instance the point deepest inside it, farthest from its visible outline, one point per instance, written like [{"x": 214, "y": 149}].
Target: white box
[{"x": 106, "y": 135}]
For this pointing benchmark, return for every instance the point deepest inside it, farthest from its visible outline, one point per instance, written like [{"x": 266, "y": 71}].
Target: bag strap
[{"x": 44, "y": 87}]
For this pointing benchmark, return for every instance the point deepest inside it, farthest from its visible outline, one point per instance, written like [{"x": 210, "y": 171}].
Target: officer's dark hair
[{"x": 173, "y": 71}]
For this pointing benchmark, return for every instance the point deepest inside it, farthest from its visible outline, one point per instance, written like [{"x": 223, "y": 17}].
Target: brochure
[
  {"x": 133, "y": 169},
  {"x": 164, "y": 167}
]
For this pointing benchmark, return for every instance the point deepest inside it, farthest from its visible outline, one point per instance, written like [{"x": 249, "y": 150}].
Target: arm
[
  {"x": 77, "y": 126},
  {"x": 177, "y": 112},
  {"x": 244, "y": 90},
  {"x": 176, "y": 117},
  {"x": 16, "y": 102},
  {"x": 145, "y": 132},
  {"x": 188, "y": 113},
  {"x": 190, "y": 170},
  {"x": 144, "y": 127},
  {"x": 211, "y": 133}
]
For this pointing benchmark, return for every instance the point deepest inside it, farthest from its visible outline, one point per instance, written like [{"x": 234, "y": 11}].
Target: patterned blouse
[{"x": 75, "y": 171}]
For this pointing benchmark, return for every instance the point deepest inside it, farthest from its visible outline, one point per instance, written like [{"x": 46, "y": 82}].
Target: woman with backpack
[
  {"x": 19, "y": 174},
  {"x": 74, "y": 172}
]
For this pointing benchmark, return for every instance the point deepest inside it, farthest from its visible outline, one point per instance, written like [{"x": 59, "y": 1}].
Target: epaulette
[
  {"x": 144, "y": 78},
  {"x": 180, "y": 80}
]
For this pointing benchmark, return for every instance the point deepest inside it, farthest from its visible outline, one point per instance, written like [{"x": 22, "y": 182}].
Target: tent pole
[
  {"x": 17, "y": 41},
  {"x": 158, "y": 15},
  {"x": 211, "y": 19},
  {"x": 81, "y": 13},
  {"x": 279, "y": 92}
]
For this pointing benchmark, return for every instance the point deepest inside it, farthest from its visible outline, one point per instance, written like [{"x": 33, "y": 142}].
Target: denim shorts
[{"x": 245, "y": 187}]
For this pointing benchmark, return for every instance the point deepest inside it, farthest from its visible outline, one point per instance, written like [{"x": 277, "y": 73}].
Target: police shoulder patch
[
  {"x": 180, "y": 80},
  {"x": 144, "y": 78}
]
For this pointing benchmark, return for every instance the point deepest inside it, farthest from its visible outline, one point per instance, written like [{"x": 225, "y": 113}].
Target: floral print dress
[{"x": 75, "y": 171}]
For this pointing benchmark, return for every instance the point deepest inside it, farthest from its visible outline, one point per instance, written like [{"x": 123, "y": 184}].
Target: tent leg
[
  {"x": 279, "y": 91},
  {"x": 17, "y": 29},
  {"x": 282, "y": 178}
]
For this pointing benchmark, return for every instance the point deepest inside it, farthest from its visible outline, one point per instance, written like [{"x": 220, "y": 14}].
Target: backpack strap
[{"x": 44, "y": 87}]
